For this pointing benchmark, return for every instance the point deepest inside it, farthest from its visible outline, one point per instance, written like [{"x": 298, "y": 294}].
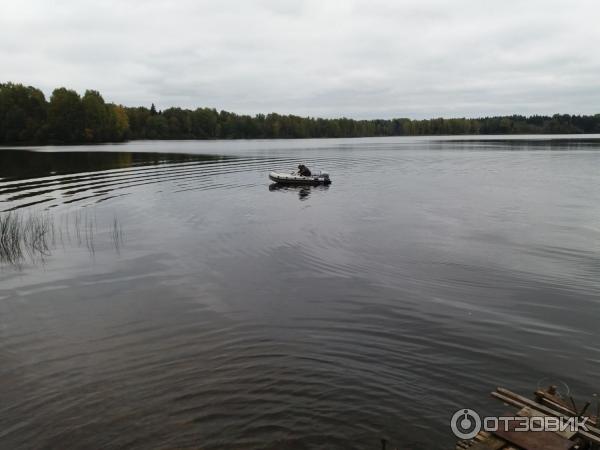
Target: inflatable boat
[{"x": 295, "y": 178}]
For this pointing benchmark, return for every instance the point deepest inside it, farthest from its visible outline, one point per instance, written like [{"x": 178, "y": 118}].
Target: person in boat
[{"x": 303, "y": 171}]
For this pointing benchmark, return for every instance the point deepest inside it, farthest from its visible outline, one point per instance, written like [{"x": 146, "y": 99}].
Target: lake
[{"x": 165, "y": 295}]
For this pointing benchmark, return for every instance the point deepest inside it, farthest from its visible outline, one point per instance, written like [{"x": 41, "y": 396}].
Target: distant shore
[{"x": 27, "y": 118}]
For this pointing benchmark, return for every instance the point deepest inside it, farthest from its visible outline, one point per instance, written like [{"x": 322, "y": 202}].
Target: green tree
[
  {"x": 65, "y": 117},
  {"x": 95, "y": 117},
  {"x": 118, "y": 123},
  {"x": 22, "y": 114}
]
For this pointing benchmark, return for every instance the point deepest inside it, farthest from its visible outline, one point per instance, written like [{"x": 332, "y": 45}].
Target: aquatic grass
[
  {"x": 11, "y": 237},
  {"x": 33, "y": 236},
  {"x": 117, "y": 234},
  {"x": 37, "y": 230},
  {"x": 25, "y": 235}
]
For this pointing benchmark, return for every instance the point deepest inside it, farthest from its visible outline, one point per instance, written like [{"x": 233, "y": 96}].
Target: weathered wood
[
  {"x": 530, "y": 412},
  {"x": 555, "y": 411},
  {"x": 484, "y": 434},
  {"x": 557, "y": 407},
  {"x": 534, "y": 440},
  {"x": 543, "y": 408},
  {"x": 560, "y": 402},
  {"x": 593, "y": 421},
  {"x": 490, "y": 443},
  {"x": 548, "y": 404},
  {"x": 508, "y": 400},
  {"x": 511, "y": 398},
  {"x": 481, "y": 436},
  {"x": 590, "y": 437}
]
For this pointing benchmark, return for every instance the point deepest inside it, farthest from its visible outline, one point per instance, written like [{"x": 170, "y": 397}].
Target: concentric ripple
[{"x": 168, "y": 295}]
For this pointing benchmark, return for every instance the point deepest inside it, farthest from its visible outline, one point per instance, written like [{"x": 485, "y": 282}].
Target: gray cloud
[{"x": 357, "y": 58}]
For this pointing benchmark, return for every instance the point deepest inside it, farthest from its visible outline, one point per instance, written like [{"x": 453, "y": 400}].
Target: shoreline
[{"x": 524, "y": 137}]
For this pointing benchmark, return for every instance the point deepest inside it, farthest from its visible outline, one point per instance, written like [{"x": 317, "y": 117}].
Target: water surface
[{"x": 183, "y": 302}]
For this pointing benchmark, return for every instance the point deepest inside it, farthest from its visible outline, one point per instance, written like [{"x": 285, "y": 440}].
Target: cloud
[{"x": 357, "y": 58}]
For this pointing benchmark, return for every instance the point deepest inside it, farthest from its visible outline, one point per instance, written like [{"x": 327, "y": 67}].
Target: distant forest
[{"x": 26, "y": 117}]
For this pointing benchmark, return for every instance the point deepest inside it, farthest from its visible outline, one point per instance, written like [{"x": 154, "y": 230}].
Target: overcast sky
[{"x": 361, "y": 59}]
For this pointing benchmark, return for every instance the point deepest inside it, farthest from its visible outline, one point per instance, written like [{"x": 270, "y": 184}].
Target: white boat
[{"x": 294, "y": 178}]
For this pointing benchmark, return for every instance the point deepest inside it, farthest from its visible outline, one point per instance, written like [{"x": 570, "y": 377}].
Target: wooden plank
[
  {"x": 530, "y": 412},
  {"x": 550, "y": 404},
  {"x": 490, "y": 443},
  {"x": 554, "y": 403},
  {"x": 534, "y": 440},
  {"x": 483, "y": 435},
  {"x": 505, "y": 393},
  {"x": 554, "y": 398},
  {"x": 522, "y": 401},
  {"x": 508, "y": 400}
]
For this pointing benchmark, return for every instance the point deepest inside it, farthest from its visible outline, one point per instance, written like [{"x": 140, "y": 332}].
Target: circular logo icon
[{"x": 465, "y": 424}]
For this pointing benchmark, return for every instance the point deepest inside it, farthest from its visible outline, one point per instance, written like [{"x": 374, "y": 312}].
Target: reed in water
[
  {"x": 25, "y": 235},
  {"x": 34, "y": 235}
]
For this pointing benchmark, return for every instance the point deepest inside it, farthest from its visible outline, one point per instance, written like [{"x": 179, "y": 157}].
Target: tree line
[{"x": 26, "y": 117}]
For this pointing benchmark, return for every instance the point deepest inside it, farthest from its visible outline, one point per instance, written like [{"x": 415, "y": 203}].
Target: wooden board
[
  {"x": 593, "y": 435},
  {"x": 534, "y": 440},
  {"x": 530, "y": 412},
  {"x": 490, "y": 443}
]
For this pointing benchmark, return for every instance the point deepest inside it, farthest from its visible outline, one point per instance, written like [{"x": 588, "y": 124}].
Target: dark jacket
[{"x": 303, "y": 171}]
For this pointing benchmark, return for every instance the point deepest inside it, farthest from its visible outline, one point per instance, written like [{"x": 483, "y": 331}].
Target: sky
[{"x": 325, "y": 58}]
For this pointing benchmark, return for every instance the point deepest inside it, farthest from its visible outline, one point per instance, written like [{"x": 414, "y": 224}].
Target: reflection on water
[
  {"x": 237, "y": 317},
  {"x": 302, "y": 191},
  {"x": 20, "y": 164},
  {"x": 68, "y": 177}
]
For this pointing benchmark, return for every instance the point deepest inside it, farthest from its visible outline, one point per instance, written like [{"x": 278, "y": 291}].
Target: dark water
[{"x": 179, "y": 302}]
